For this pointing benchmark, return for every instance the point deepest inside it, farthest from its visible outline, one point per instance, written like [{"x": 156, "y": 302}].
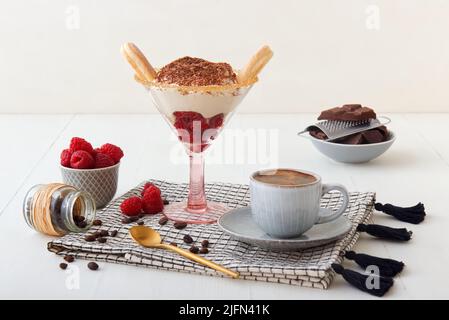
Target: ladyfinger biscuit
[
  {"x": 138, "y": 61},
  {"x": 255, "y": 65}
]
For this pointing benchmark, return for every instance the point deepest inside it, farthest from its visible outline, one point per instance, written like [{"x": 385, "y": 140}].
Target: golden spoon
[{"x": 150, "y": 238}]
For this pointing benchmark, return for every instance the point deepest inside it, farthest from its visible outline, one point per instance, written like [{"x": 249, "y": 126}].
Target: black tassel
[
  {"x": 387, "y": 267},
  {"x": 413, "y": 214},
  {"x": 366, "y": 283},
  {"x": 384, "y": 232}
]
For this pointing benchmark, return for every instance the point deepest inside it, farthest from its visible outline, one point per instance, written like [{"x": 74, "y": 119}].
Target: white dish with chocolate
[{"x": 355, "y": 148}]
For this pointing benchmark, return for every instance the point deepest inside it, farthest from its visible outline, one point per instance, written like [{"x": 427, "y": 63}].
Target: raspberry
[
  {"x": 103, "y": 160},
  {"x": 152, "y": 201},
  {"x": 77, "y": 144},
  {"x": 216, "y": 121},
  {"x": 66, "y": 154},
  {"x": 131, "y": 206},
  {"x": 82, "y": 160},
  {"x": 149, "y": 186},
  {"x": 186, "y": 122},
  {"x": 112, "y": 151}
]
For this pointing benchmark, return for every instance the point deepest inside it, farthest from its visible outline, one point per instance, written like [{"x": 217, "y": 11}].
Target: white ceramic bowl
[{"x": 349, "y": 153}]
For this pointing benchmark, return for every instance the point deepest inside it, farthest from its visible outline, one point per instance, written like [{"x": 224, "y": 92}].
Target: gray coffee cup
[{"x": 286, "y": 211}]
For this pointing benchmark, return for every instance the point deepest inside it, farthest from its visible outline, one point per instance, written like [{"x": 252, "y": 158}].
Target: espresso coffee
[{"x": 285, "y": 177}]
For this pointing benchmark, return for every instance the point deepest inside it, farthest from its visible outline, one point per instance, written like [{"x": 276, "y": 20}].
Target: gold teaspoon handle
[{"x": 201, "y": 260}]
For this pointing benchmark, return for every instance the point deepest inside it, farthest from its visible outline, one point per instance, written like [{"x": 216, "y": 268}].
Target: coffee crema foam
[{"x": 285, "y": 177}]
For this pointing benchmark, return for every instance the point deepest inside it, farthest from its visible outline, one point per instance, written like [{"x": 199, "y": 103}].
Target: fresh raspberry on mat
[
  {"x": 152, "y": 201},
  {"x": 150, "y": 188},
  {"x": 111, "y": 150},
  {"x": 131, "y": 206},
  {"x": 82, "y": 160},
  {"x": 103, "y": 160},
  {"x": 66, "y": 154},
  {"x": 77, "y": 144}
]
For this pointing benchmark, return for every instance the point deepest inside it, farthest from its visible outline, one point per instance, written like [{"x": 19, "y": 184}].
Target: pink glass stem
[{"x": 196, "y": 202}]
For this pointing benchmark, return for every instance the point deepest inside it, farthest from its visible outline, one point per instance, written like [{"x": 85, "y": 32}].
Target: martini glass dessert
[{"x": 197, "y": 98}]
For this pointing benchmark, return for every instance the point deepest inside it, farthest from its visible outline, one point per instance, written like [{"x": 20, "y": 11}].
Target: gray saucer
[{"x": 239, "y": 224}]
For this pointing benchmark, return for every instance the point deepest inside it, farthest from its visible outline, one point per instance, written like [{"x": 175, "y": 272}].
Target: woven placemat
[{"x": 310, "y": 268}]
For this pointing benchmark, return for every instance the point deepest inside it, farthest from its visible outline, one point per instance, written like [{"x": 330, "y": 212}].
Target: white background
[{"x": 327, "y": 52}]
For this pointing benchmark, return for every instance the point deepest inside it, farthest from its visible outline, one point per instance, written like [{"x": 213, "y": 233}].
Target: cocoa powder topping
[{"x": 190, "y": 71}]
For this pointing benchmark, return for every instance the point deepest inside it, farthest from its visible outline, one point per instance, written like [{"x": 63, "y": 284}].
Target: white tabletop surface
[{"x": 415, "y": 169}]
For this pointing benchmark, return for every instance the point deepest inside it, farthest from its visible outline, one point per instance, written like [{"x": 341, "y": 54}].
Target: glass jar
[{"x": 56, "y": 209}]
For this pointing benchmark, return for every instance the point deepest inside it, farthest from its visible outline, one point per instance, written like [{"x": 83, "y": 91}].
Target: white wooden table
[{"x": 415, "y": 169}]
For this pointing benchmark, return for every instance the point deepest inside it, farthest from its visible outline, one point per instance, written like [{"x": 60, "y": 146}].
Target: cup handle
[{"x": 326, "y": 215}]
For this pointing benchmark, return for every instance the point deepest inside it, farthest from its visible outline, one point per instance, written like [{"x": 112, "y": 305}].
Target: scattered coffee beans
[
  {"x": 204, "y": 250},
  {"x": 102, "y": 240},
  {"x": 166, "y": 202},
  {"x": 173, "y": 244},
  {"x": 180, "y": 225},
  {"x": 205, "y": 243},
  {"x": 163, "y": 221},
  {"x": 63, "y": 266},
  {"x": 194, "y": 249},
  {"x": 69, "y": 258},
  {"x": 134, "y": 218},
  {"x": 89, "y": 237},
  {"x": 97, "y": 222},
  {"x": 92, "y": 266},
  {"x": 114, "y": 233},
  {"x": 188, "y": 239},
  {"x": 140, "y": 223}
]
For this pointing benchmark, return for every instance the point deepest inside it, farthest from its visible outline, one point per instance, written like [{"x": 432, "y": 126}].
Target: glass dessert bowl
[{"x": 196, "y": 98}]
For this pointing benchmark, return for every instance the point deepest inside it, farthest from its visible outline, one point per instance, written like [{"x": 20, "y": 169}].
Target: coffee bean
[
  {"x": 180, "y": 225},
  {"x": 204, "y": 250},
  {"x": 126, "y": 220},
  {"x": 89, "y": 237},
  {"x": 205, "y": 243},
  {"x": 194, "y": 249},
  {"x": 166, "y": 202},
  {"x": 134, "y": 218},
  {"x": 141, "y": 215},
  {"x": 173, "y": 244},
  {"x": 104, "y": 233},
  {"x": 140, "y": 223},
  {"x": 78, "y": 219},
  {"x": 63, "y": 266},
  {"x": 97, "y": 222},
  {"x": 92, "y": 266},
  {"x": 188, "y": 239},
  {"x": 69, "y": 258},
  {"x": 102, "y": 240},
  {"x": 114, "y": 233},
  {"x": 82, "y": 224},
  {"x": 163, "y": 221}
]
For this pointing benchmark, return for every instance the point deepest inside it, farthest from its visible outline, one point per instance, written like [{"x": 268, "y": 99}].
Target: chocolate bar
[{"x": 348, "y": 112}]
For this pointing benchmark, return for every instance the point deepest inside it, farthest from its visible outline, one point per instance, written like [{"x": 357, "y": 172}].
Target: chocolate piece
[
  {"x": 356, "y": 138},
  {"x": 318, "y": 134},
  {"x": 348, "y": 112},
  {"x": 373, "y": 136}
]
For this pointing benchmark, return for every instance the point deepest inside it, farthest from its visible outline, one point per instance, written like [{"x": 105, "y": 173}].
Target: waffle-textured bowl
[{"x": 100, "y": 183}]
